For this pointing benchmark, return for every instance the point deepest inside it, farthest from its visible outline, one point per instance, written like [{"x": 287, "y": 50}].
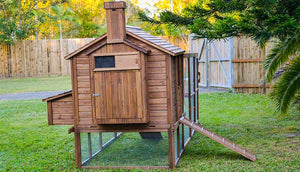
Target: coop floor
[{"x": 131, "y": 150}]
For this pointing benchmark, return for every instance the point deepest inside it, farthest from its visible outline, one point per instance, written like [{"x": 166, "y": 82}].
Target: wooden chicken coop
[{"x": 134, "y": 99}]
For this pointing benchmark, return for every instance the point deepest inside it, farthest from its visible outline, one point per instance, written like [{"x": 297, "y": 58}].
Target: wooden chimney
[{"x": 115, "y": 21}]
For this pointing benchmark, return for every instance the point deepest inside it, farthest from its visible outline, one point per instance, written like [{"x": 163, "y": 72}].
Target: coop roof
[
  {"x": 60, "y": 95},
  {"x": 141, "y": 35},
  {"x": 154, "y": 40}
]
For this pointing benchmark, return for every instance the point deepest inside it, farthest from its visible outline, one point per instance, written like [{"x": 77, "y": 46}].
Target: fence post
[
  {"x": 208, "y": 62},
  {"x": 231, "y": 41}
]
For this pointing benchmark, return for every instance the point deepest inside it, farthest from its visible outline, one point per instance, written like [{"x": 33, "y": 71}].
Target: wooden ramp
[{"x": 218, "y": 139}]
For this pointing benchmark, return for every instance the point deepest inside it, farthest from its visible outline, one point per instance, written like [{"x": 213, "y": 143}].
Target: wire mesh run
[{"x": 124, "y": 150}]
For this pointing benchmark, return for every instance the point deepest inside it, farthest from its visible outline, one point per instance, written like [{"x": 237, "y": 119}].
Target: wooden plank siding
[
  {"x": 155, "y": 78},
  {"x": 157, "y": 74},
  {"x": 60, "y": 111}
]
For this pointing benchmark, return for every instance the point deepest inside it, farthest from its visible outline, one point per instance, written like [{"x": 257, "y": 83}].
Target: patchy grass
[
  {"x": 20, "y": 85},
  {"x": 28, "y": 144},
  {"x": 249, "y": 121}
]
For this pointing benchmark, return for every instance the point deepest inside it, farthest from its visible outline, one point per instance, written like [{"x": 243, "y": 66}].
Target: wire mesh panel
[
  {"x": 93, "y": 143},
  {"x": 128, "y": 149}
]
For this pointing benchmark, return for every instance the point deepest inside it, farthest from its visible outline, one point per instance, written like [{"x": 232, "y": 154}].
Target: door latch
[{"x": 96, "y": 95}]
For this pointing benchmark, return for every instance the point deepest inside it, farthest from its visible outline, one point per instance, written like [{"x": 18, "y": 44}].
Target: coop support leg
[
  {"x": 77, "y": 149},
  {"x": 100, "y": 141},
  {"x": 171, "y": 149},
  {"x": 90, "y": 145}
]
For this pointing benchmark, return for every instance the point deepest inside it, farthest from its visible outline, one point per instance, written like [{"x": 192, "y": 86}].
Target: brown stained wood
[
  {"x": 84, "y": 96},
  {"x": 124, "y": 89},
  {"x": 115, "y": 20},
  {"x": 157, "y": 82},
  {"x": 169, "y": 90},
  {"x": 85, "y": 102},
  {"x": 156, "y": 76},
  {"x": 77, "y": 148},
  {"x": 95, "y": 48},
  {"x": 82, "y": 72},
  {"x": 73, "y": 63},
  {"x": 63, "y": 119},
  {"x": 83, "y": 78},
  {"x": 158, "y": 114},
  {"x": 156, "y": 64},
  {"x": 62, "y": 110},
  {"x": 62, "y": 104},
  {"x": 83, "y": 84},
  {"x": 157, "y": 89},
  {"x": 85, "y": 121},
  {"x": 158, "y": 101},
  {"x": 156, "y": 58},
  {"x": 82, "y": 60},
  {"x": 84, "y": 108},
  {"x": 84, "y": 90},
  {"x": 50, "y": 114},
  {"x": 157, "y": 70},
  {"x": 134, "y": 53},
  {"x": 85, "y": 114},
  {"x": 158, "y": 119},
  {"x": 171, "y": 149},
  {"x": 136, "y": 46},
  {"x": 176, "y": 86},
  {"x": 158, "y": 107},
  {"x": 157, "y": 95},
  {"x": 83, "y": 66},
  {"x": 187, "y": 55},
  {"x": 144, "y": 79}
]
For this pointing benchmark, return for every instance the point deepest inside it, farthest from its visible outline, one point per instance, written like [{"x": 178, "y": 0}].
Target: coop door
[{"x": 119, "y": 89}]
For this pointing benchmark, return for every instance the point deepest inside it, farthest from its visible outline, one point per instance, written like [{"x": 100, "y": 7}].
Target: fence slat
[{"x": 33, "y": 58}]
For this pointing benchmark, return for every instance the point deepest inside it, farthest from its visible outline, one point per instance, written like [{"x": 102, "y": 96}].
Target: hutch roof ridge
[{"x": 138, "y": 33}]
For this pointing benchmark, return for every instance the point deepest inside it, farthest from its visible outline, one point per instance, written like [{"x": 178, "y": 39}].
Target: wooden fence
[
  {"x": 236, "y": 64},
  {"x": 32, "y": 58}
]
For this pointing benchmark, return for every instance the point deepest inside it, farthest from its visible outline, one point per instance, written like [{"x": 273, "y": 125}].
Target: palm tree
[
  {"x": 59, "y": 15},
  {"x": 286, "y": 88}
]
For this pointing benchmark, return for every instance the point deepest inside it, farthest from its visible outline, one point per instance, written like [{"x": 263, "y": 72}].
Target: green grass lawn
[
  {"x": 20, "y": 85},
  {"x": 28, "y": 144}
]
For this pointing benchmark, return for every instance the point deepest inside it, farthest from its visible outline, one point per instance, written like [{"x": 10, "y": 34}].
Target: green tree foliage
[
  {"x": 16, "y": 20},
  {"x": 59, "y": 15},
  {"x": 261, "y": 20}
]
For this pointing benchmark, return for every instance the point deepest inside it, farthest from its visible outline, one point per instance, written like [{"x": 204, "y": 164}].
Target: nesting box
[{"x": 128, "y": 81}]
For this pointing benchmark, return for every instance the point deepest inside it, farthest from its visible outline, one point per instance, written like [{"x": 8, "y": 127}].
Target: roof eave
[
  {"x": 154, "y": 45},
  {"x": 81, "y": 49},
  {"x": 57, "y": 96}
]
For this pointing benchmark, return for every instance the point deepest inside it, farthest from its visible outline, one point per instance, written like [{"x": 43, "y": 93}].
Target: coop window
[{"x": 104, "y": 61}]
